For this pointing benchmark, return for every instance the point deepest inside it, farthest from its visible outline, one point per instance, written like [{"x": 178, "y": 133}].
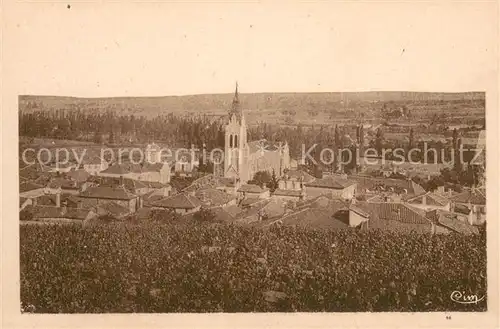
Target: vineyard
[{"x": 220, "y": 268}]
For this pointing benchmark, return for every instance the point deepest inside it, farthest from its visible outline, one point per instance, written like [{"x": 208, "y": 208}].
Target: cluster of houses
[{"x": 102, "y": 192}]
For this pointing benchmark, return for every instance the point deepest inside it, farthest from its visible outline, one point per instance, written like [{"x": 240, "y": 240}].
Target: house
[
  {"x": 51, "y": 214},
  {"x": 394, "y": 217},
  {"x": 57, "y": 199},
  {"x": 429, "y": 201},
  {"x": 60, "y": 167},
  {"x": 94, "y": 164},
  {"x": 289, "y": 195},
  {"x": 134, "y": 186},
  {"x": 291, "y": 186},
  {"x": 367, "y": 185},
  {"x": 211, "y": 197},
  {"x": 472, "y": 202},
  {"x": 248, "y": 202},
  {"x": 446, "y": 222},
  {"x": 78, "y": 175},
  {"x": 31, "y": 190},
  {"x": 322, "y": 212},
  {"x": 334, "y": 186},
  {"x": 24, "y": 202},
  {"x": 95, "y": 196},
  {"x": 151, "y": 172},
  {"x": 357, "y": 215},
  {"x": 182, "y": 203},
  {"x": 153, "y": 153},
  {"x": 262, "y": 210},
  {"x": 185, "y": 162},
  {"x": 67, "y": 185},
  {"x": 253, "y": 191},
  {"x": 112, "y": 211}
]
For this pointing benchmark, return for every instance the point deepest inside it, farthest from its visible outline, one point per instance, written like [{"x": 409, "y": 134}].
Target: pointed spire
[{"x": 235, "y": 108}]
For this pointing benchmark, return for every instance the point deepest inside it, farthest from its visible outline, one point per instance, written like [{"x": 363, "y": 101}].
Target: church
[{"x": 242, "y": 159}]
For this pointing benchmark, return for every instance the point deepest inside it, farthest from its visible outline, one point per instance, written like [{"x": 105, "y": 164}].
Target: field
[{"x": 213, "y": 268}]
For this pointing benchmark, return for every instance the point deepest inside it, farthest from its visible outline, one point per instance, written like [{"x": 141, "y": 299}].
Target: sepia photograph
[{"x": 201, "y": 158}]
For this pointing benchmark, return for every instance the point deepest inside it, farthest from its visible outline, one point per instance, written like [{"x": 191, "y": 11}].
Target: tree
[
  {"x": 273, "y": 183},
  {"x": 98, "y": 137},
  {"x": 411, "y": 142},
  {"x": 112, "y": 137},
  {"x": 379, "y": 141},
  {"x": 207, "y": 167},
  {"x": 261, "y": 178}
]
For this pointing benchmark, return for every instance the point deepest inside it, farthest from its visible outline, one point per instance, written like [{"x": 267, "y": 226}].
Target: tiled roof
[
  {"x": 435, "y": 199},
  {"x": 250, "y": 201},
  {"x": 250, "y": 188},
  {"x": 112, "y": 209},
  {"x": 398, "y": 185},
  {"x": 395, "y": 217},
  {"x": 29, "y": 186},
  {"x": 291, "y": 193},
  {"x": 226, "y": 181},
  {"x": 57, "y": 212},
  {"x": 462, "y": 209},
  {"x": 64, "y": 183},
  {"x": 330, "y": 217},
  {"x": 22, "y": 201},
  {"x": 213, "y": 196},
  {"x": 223, "y": 215},
  {"x": 150, "y": 198},
  {"x": 331, "y": 182},
  {"x": 298, "y": 174},
  {"x": 126, "y": 168},
  {"x": 233, "y": 210},
  {"x": 117, "y": 169},
  {"x": 105, "y": 192},
  {"x": 475, "y": 196},
  {"x": 178, "y": 201},
  {"x": 79, "y": 175},
  {"x": 431, "y": 199},
  {"x": 457, "y": 226},
  {"x": 359, "y": 211}
]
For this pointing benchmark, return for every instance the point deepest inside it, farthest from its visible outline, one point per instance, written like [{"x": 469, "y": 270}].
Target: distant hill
[{"x": 298, "y": 106}]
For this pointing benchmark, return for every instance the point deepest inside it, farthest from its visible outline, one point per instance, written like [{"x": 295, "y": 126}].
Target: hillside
[{"x": 284, "y": 108}]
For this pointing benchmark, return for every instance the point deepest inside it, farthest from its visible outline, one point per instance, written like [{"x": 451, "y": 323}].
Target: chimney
[
  {"x": 58, "y": 199},
  {"x": 281, "y": 184},
  {"x": 302, "y": 194},
  {"x": 64, "y": 208},
  {"x": 121, "y": 181}
]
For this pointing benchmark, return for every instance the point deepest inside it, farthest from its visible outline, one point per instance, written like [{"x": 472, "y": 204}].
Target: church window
[
  {"x": 230, "y": 140},
  {"x": 235, "y": 140}
]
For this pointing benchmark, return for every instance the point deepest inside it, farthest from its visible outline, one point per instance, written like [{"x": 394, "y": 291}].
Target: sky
[{"x": 100, "y": 49}]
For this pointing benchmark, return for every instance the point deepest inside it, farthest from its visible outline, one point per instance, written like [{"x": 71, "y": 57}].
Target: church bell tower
[{"x": 235, "y": 150}]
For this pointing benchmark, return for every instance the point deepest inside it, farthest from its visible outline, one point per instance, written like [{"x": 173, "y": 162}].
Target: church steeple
[{"x": 235, "y": 108}]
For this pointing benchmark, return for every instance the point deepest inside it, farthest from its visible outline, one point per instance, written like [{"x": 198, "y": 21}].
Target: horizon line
[{"x": 257, "y": 93}]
